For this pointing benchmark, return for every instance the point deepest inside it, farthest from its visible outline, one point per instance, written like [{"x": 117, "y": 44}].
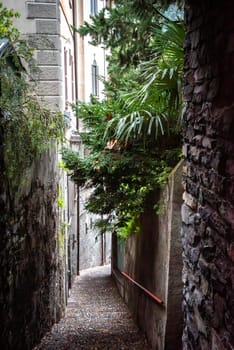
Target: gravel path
[{"x": 96, "y": 318}]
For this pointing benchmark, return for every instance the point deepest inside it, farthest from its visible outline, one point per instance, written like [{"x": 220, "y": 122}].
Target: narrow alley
[
  {"x": 96, "y": 318},
  {"x": 116, "y": 146}
]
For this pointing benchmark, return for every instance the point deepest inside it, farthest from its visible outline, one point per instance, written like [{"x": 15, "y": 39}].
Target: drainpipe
[
  {"x": 75, "y": 24},
  {"x": 78, "y": 230}
]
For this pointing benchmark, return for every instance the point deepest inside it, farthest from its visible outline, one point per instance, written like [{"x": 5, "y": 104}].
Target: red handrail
[{"x": 153, "y": 296}]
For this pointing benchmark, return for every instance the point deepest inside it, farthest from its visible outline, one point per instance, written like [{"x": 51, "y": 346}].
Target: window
[
  {"x": 93, "y": 7},
  {"x": 95, "y": 85},
  {"x": 66, "y": 78}
]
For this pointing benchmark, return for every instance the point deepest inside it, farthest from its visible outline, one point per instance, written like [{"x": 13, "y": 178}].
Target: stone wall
[
  {"x": 33, "y": 242},
  {"x": 95, "y": 249},
  {"x": 153, "y": 259},
  {"x": 208, "y": 209},
  {"x": 46, "y": 16},
  {"x": 32, "y": 291}
]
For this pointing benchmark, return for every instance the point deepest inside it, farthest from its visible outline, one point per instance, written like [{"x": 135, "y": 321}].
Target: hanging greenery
[
  {"x": 120, "y": 176},
  {"x": 133, "y": 135},
  {"x": 27, "y": 126}
]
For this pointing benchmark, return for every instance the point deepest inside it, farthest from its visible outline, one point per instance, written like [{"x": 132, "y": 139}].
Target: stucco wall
[
  {"x": 154, "y": 259},
  {"x": 95, "y": 249}
]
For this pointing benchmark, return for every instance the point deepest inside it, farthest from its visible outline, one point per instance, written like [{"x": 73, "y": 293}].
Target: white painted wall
[
  {"x": 91, "y": 242},
  {"x": 90, "y": 52}
]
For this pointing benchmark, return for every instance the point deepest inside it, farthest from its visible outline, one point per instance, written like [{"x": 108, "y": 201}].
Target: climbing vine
[{"x": 27, "y": 126}]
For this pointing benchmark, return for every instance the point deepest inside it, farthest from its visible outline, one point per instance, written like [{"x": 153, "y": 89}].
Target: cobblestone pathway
[{"x": 96, "y": 318}]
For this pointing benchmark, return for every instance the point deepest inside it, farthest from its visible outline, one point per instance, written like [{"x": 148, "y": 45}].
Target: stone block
[
  {"x": 49, "y": 88},
  {"x": 216, "y": 160},
  {"x": 46, "y": 1},
  {"x": 226, "y": 210},
  {"x": 195, "y": 37},
  {"x": 194, "y": 254},
  {"x": 230, "y": 251},
  {"x": 197, "y": 140},
  {"x": 208, "y": 142},
  {"x": 210, "y": 197},
  {"x": 187, "y": 92},
  {"x": 50, "y": 73},
  {"x": 208, "y": 252},
  {"x": 213, "y": 89},
  {"x": 44, "y": 26},
  {"x": 44, "y": 42},
  {"x": 218, "y": 223},
  {"x": 187, "y": 215},
  {"x": 189, "y": 77},
  {"x": 195, "y": 153},
  {"x": 189, "y": 133},
  {"x": 41, "y": 10},
  {"x": 185, "y": 149},
  {"x": 217, "y": 343},
  {"x": 190, "y": 200},
  {"x": 193, "y": 60},
  {"x": 48, "y": 58},
  {"x": 199, "y": 75},
  {"x": 192, "y": 187}
]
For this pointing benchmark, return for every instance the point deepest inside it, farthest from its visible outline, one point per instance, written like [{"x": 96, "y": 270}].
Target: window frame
[
  {"x": 94, "y": 76},
  {"x": 93, "y": 7}
]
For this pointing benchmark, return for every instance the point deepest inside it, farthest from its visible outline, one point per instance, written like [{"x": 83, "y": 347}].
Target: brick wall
[{"x": 208, "y": 209}]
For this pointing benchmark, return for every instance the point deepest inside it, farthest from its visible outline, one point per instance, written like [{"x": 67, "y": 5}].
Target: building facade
[
  {"x": 92, "y": 72},
  {"x": 39, "y": 244}
]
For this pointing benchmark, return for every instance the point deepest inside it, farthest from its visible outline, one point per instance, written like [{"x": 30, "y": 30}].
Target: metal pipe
[
  {"x": 75, "y": 24},
  {"x": 153, "y": 296}
]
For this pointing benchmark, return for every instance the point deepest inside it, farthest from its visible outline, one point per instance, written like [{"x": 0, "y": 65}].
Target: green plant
[
  {"x": 133, "y": 140},
  {"x": 155, "y": 103},
  {"x": 28, "y": 126},
  {"x": 60, "y": 199},
  {"x": 131, "y": 226},
  {"x": 159, "y": 208},
  {"x": 121, "y": 177}
]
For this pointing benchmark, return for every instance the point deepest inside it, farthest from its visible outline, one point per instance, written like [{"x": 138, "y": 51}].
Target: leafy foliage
[
  {"x": 27, "y": 126},
  {"x": 133, "y": 136},
  {"x": 120, "y": 176},
  {"x": 155, "y": 103}
]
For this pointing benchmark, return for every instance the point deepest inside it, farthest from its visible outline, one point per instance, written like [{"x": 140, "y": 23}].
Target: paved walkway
[{"x": 96, "y": 318}]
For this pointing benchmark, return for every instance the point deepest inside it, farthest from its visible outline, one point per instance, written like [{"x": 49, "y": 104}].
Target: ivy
[{"x": 28, "y": 127}]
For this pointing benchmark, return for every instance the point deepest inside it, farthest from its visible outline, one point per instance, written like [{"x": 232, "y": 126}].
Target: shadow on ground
[{"x": 96, "y": 318}]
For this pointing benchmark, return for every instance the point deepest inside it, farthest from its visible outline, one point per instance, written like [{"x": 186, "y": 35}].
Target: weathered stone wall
[
  {"x": 208, "y": 210},
  {"x": 33, "y": 242},
  {"x": 95, "y": 249},
  {"x": 153, "y": 258},
  {"x": 31, "y": 292},
  {"x": 39, "y": 22}
]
